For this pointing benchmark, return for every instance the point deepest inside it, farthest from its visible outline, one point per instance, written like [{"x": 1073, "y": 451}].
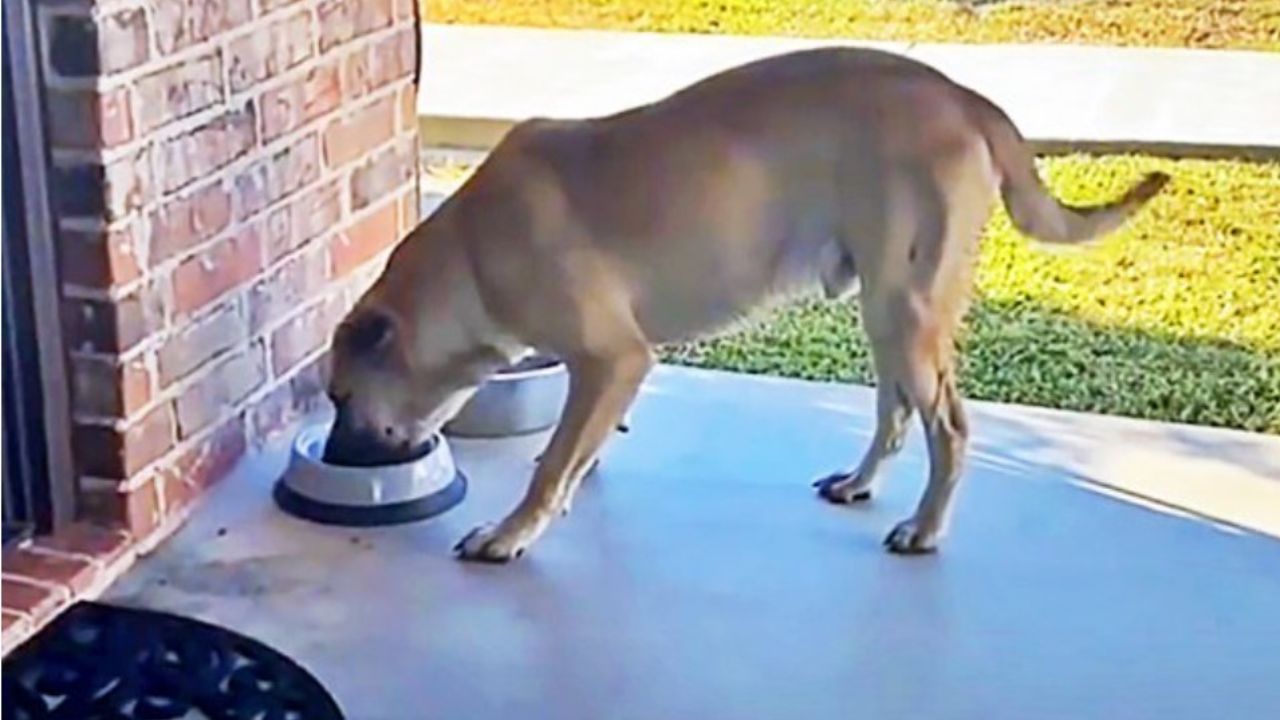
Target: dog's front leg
[{"x": 600, "y": 391}]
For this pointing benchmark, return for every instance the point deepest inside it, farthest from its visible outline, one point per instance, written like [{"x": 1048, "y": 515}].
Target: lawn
[
  {"x": 1176, "y": 317},
  {"x": 1241, "y": 24}
]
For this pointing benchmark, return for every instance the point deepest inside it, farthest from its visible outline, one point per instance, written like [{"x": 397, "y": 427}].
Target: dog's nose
[{"x": 359, "y": 446}]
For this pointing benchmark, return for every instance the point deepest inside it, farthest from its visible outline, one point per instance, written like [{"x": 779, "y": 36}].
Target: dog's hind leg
[
  {"x": 911, "y": 341},
  {"x": 953, "y": 202},
  {"x": 917, "y": 281},
  {"x": 893, "y": 410},
  {"x": 892, "y": 221},
  {"x": 931, "y": 388}
]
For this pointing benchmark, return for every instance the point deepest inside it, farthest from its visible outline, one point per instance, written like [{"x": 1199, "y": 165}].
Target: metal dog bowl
[
  {"x": 525, "y": 398},
  {"x": 379, "y": 495}
]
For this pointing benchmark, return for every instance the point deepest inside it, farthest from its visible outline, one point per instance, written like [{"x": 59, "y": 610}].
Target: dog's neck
[{"x": 440, "y": 276}]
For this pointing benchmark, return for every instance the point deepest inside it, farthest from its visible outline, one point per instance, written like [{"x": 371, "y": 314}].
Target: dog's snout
[
  {"x": 359, "y": 445},
  {"x": 343, "y": 444}
]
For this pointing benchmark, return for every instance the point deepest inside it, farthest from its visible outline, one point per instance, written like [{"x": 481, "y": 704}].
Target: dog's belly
[
  {"x": 729, "y": 283},
  {"x": 674, "y": 319}
]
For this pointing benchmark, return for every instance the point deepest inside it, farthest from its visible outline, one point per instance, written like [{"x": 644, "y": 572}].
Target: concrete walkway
[
  {"x": 477, "y": 81},
  {"x": 1098, "y": 568}
]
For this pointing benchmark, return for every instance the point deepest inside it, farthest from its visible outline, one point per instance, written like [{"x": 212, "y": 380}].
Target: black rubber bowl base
[{"x": 425, "y": 507}]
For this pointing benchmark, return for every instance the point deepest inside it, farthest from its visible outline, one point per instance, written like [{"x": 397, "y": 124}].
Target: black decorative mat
[{"x": 104, "y": 662}]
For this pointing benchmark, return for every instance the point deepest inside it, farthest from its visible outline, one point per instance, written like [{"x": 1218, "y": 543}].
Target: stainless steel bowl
[
  {"x": 361, "y": 496},
  {"x": 525, "y": 398}
]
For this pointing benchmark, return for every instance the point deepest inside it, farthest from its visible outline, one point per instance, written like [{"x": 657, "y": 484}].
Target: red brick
[
  {"x": 269, "y": 50},
  {"x": 312, "y": 214},
  {"x": 317, "y": 213},
  {"x": 78, "y": 45},
  {"x": 184, "y": 222},
  {"x": 103, "y": 545},
  {"x": 106, "y": 452},
  {"x": 75, "y": 574},
  {"x": 34, "y": 601},
  {"x": 200, "y": 341},
  {"x": 129, "y": 184},
  {"x": 383, "y": 174},
  {"x": 364, "y": 239},
  {"x": 302, "y": 335},
  {"x": 178, "y": 91},
  {"x": 278, "y": 176},
  {"x": 342, "y": 20},
  {"x": 300, "y": 100},
  {"x": 103, "y": 388},
  {"x": 115, "y": 117},
  {"x": 209, "y": 274},
  {"x": 359, "y": 132},
  {"x": 208, "y": 148},
  {"x": 136, "y": 509},
  {"x": 99, "y": 259},
  {"x": 182, "y": 23},
  {"x": 221, "y": 390},
  {"x": 309, "y": 385},
  {"x": 407, "y": 102},
  {"x": 408, "y": 212},
  {"x": 359, "y": 281},
  {"x": 271, "y": 415},
  {"x": 380, "y": 63},
  {"x": 89, "y": 119},
  {"x": 277, "y": 238},
  {"x": 210, "y": 460},
  {"x": 269, "y": 5},
  {"x": 298, "y": 280},
  {"x": 94, "y": 325},
  {"x": 17, "y": 628},
  {"x": 109, "y": 192}
]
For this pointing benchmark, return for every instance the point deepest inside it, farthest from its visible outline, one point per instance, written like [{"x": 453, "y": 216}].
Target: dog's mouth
[{"x": 367, "y": 450}]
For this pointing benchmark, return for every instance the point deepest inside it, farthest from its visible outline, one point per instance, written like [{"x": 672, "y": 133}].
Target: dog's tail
[{"x": 1033, "y": 210}]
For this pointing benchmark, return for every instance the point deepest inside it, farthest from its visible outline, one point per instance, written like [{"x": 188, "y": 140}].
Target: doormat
[{"x": 101, "y": 661}]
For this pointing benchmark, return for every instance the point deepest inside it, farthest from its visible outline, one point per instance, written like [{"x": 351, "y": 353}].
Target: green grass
[
  {"x": 1176, "y": 317},
  {"x": 1242, "y": 24},
  {"x": 1023, "y": 353}
]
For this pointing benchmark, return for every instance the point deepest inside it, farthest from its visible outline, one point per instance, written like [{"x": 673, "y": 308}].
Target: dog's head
[{"x": 398, "y": 375}]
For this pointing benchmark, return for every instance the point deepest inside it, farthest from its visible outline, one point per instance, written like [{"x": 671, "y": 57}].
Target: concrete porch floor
[{"x": 1098, "y": 568}]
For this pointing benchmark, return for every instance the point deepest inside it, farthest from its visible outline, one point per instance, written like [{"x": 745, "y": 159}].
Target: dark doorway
[{"x": 38, "y": 478}]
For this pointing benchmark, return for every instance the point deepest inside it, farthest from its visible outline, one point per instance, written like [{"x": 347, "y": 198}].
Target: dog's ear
[{"x": 366, "y": 334}]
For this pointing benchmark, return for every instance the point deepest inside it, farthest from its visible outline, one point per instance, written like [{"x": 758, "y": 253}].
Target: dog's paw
[
  {"x": 843, "y": 489},
  {"x": 488, "y": 543},
  {"x": 909, "y": 538}
]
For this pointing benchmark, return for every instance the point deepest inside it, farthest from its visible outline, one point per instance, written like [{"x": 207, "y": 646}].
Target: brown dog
[{"x": 596, "y": 240}]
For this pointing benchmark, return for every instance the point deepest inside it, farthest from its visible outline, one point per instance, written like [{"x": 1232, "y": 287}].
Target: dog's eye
[{"x": 367, "y": 333}]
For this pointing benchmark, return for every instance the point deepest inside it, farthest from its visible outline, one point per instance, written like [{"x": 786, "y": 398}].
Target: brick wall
[{"x": 228, "y": 175}]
